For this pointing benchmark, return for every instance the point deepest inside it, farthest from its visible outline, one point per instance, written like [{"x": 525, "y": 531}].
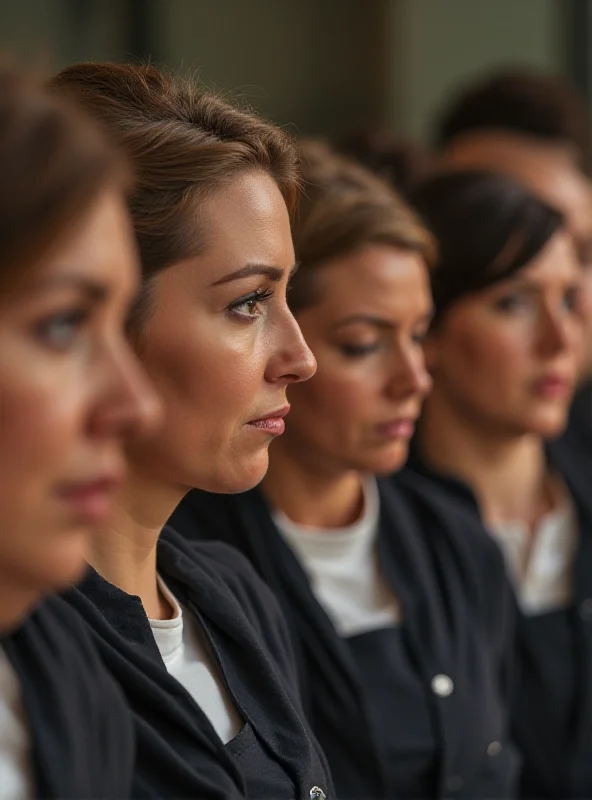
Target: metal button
[
  {"x": 442, "y": 685},
  {"x": 586, "y": 609},
  {"x": 494, "y": 749},
  {"x": 316, "y": 793},
  {"x": 454, "y": 783}
]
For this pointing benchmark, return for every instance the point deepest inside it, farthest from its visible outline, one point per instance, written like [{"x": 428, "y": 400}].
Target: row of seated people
[{"x": 383, "y": 593}]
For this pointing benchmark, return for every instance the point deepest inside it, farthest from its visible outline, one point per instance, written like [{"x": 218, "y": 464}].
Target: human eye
[
  {"x": 60, "y": 331},
  {"x": 512, "y": 303},
  {"x": 250, "y": 306},
  {"x": 353, "y": 350}
]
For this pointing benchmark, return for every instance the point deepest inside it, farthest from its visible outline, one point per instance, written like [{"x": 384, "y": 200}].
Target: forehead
[
  {"x": 99, "y": 248},
  {"x": 378, "y": 279},
  {"x": 556, "y": 263},
  {"x": 247, "y": 221},
  {"x": 548, "y": 170}
]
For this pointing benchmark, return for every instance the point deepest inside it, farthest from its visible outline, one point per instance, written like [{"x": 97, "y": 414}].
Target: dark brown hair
[
  {"x": 345, "y": 207},
  {"x": 183, "y": 142},
  {"x": 488, "y": 227},
  {"x": 520, "y": 101},
  {"x": 53, "y": 163}
]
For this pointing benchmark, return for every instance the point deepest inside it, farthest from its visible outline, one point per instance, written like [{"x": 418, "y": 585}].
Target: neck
[
  {"x": 124, "y": 551},
  {"x": 310, "y": 495},
  {"x": 15, "y": 603},
  {"x": 507, "y": 471}
]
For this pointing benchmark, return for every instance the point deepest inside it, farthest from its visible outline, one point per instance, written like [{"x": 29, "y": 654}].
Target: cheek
[
  {"x": 481, "y": 357},
  {"x": 337, "y": 398}
]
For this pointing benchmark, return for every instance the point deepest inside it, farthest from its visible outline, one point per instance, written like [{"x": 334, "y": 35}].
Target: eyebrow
[
  {"x": 94, "y": 289},
  {"x": 273, "y": 273},
  {"x": 378, "y": 322}
]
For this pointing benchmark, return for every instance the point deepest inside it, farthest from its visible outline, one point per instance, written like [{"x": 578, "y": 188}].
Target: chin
[
  {"x": 390, "y": 459},
  {"x": 239, "y": 477},
  {"x": 548, "y": 424}
]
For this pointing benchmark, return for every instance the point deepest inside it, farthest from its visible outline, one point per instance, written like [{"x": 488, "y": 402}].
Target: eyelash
[
  {"x": 260, "y": 296},
  {"x": 359, "y": 351}
]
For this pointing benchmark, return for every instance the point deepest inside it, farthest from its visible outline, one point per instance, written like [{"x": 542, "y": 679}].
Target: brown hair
[
  {"x": 53, "y": 163},
  {"x": 184, "y": 142},
  {"x": 344, "y": 207}
]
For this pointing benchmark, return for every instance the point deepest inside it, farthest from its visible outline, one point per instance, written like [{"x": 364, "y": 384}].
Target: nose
[
  {"x": 409, "y": 376},
  {"x": 557, "y": 332},
  {"x": 128, "y": 405},
  {"x": 292, "y": 360}
]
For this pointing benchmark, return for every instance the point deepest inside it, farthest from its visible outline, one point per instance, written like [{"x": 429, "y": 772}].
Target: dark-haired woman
[
  {"x": 400, "y": 615},
  {"x": 193, "y": 637},
  {"x": 70, "y": 392},
  {"x": 504, "y": 352}
]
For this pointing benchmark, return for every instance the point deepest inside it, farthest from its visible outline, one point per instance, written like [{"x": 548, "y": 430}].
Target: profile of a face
[
  {"x": 366, "y": 330},
  {"x": 70, "y": 391},
  {"x": 221, "y": 345},
  {"x": 507, "y": 358}
]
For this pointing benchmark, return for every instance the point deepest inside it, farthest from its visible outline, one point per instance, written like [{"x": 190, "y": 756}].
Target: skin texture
[
  {"x": 70, "y": 391},
  {"x": 551, "y": 172},
  {"x": 366, "y": 332},
  {"x": 492, "y": 349},
  {"x": 218, "y": 364}
]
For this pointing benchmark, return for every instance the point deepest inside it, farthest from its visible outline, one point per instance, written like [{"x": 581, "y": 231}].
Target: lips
[
  {"x": 91, "y": 500},
  {"x": 273, "y": 423},
  {"x": 401, "y": 428},
  {"x": 553, "y": 387}
]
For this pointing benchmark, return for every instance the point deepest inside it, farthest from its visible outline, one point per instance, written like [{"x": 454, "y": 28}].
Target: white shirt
[
  {"x": 540, "y": 563},
  {"x": 342, "y": 568},
  {"x": 186, "y": 656},
  {"x": 16, "y": 779}
]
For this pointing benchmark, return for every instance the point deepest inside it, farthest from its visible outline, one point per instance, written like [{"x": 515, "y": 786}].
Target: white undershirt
[
  {"x": 16, "y": 779},
  {"x": 342, "y": 568},
  {"x": 186, "y": 657},
  {"x": 541, "y": 563}
]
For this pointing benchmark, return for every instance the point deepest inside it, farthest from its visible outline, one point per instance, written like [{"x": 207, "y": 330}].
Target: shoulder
[
  {"x": 233, "y": 570},
  {"x": 450, "y": 519}
]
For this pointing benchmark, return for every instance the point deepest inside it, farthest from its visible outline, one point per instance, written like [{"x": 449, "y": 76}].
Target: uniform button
[
  {"x": 454, "y": 783},
  {"x": 442, "y": 685},
  {"x": 316, "y": 793},
  {"x": 494, "y": 749},
  {"x": 586, "y": 609}
]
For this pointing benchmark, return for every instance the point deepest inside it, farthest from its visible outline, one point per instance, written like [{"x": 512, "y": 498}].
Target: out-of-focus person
[
  {"x": 536, "y": 128},
  {"x": 71, "y": 391},
  {"x": 504, "y": 353}
]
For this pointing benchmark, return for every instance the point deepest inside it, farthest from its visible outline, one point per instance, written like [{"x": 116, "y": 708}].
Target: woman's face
[
  {"x": 507, "y": 358},
  {"x": 221, "y": 345},
  {"x": 366, "y": 332},
  {"x": 70, "y": 390}
]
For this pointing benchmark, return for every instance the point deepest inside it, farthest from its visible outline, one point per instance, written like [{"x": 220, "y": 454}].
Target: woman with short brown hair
[{"x": 192, "y": 636}]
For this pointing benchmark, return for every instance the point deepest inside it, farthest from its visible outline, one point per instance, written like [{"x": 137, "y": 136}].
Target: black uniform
[
  {"x": 580, "y": 418},
  {"x": 80, "y": 727},
  {"x": 179, "y": 753},
  {"x": 552, "y": 708},
  {"x": 415, "y": 710}
]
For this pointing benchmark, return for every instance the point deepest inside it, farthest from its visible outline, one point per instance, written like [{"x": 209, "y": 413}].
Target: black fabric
[
  {"x": 552, "y": 708},
  {"x": 580, "y": 418},
  {"x": 458, "y": 613},
  {"x": 179, "y": 753},
  {"x": 393, "y": 689},
  {"x": 81, "y": 730}
]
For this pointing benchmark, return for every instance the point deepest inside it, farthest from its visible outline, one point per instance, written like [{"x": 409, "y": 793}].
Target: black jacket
[
  {"x": 546, "y": 676},
  {"x": 580, "y": 418},
  {"x": 457, "y": 610},
  {"x": 80, "y": 727},
  {"x": 179, "y": 753}
]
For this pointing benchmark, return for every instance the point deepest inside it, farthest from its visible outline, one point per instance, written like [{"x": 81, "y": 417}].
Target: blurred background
[{"x": 325, "y": 66}]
